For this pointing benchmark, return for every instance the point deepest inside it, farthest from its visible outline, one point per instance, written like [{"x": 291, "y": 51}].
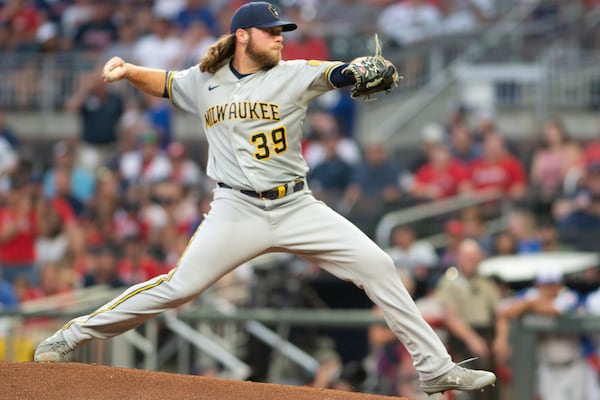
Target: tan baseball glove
[{"x": 372, "y": 73}]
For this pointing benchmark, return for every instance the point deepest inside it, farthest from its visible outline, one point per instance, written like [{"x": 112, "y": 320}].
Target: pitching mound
[{"x": 65, "y": 381}]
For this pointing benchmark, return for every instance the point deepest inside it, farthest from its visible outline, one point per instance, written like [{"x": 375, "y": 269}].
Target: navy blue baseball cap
[{"x": 259, "y": 14}]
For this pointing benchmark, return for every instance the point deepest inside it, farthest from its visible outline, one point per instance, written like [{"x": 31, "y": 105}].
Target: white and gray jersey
[{"x": 253, "y": 123}]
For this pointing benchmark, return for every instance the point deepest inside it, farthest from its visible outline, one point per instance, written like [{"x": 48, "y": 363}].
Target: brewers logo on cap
[{"x": 273, "y": 11}]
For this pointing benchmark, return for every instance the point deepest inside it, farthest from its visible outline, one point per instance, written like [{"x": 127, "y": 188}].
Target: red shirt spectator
[
  {"x": 139, "y": 270},
  {"x": 441, "y": 177},
  {"x": 18, "y": 229},
  {"x": 304, "y": 44},
  {"x": 18, "y": 248},
  {"x": 137, "y": 266},
  {"x": 498, "y": 171}
]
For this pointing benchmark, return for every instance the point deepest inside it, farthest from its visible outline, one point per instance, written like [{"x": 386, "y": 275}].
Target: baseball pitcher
[{"x": 251, "y": 106}]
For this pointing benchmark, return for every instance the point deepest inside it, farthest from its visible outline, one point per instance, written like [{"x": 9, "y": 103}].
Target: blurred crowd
[
  {"x": 180, "y": 30},
  {"x": 116, "y": 204}
]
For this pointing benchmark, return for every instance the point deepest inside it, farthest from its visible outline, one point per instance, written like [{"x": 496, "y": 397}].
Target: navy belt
[{"x": 272, "y": 194}]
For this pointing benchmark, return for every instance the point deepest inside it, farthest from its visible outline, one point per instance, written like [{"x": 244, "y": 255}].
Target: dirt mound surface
[{"x": 66, "y": 381}]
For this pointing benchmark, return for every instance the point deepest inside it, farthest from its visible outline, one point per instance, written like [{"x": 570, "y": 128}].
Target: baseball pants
[{"x": 237, "y": 229}]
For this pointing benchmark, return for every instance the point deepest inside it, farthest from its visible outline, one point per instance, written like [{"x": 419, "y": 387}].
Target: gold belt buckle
[{"x": 281, "y": 191}]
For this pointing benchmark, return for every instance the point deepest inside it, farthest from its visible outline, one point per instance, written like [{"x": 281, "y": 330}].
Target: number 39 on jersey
[{"x": 270, "y": 143}]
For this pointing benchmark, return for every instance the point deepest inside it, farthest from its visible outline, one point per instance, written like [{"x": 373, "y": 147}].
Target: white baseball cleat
[
  {"x": 459, "y": 378},
  {"x": 53, "y": 349}
]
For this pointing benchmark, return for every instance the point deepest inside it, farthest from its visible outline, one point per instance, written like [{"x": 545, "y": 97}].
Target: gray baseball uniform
[{"x": 254, "y": 128}]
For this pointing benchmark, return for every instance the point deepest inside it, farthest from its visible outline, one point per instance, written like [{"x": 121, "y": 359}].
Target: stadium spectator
[
  {"x": 553, "y": 159},
  {"x": 469, "y": 300},
  {"x": 127, "y": 220},
  {"x": 466, "y": 15},
  {"x": 432, "y": 135},
  {"x": 415, "y": 257},
  {"x": 52, "y": 241},
  {"x": 198, "y": 10},
  {"x": 484, "y": 124},
  {"x": 185, "y": 171},
  {"x": 322, "y": 125},
  {"x": 168, "y": 9},
  {"x": 498, "y": 171},
  {"x": 21, "y": 19},
  {"x": 194, "y": 44},
  {"x": 136, "y": 265},
  {"x": 47, "y": 38},
  {"x": 8, "y": 162},
  {"x": 102, "y": 267},
  {"x": 160, "y": 48},
  {"x": 18, "y": 230},
  {"x": 306, "y": 42},
  {"x": 124, "y": 44},
  {"x": 159, "y": 115},
  {"x": 374, "y": 188},
  {"x": 441, "y": 177},
  {"x": 455, "y": 234},
  {"x": 522, "y": 226},
  {"x": 8, "y": 296},
  {"x": 76, "y": 13},
  {"x": 82, "y": 183},
  {"x": 53, "y": 280},
  {"x": 179, "y": 203},
  {"x": 562, "y": 369},
  {"x": 463, "y": 145},
  {"x": 591, "y": 345},
  {"x": 97, "y": 33},
  {"x": 504, "y": 243},
  {"x": 148, "y": 164},
  {"x": 406, "y": 23},
  {"x": 473, "y": 221},
  {"x": 342, "y": 107},
  {"x": 103, "y": 206},
  {"x": 99, "y": 112},
  {"x": 581, "y": 227},
  {"x": 548, "y": 235},
  {"x": 330, "y": 177},
  {"x": 410, "y": 21}
]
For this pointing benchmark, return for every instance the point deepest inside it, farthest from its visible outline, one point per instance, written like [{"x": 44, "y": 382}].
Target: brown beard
[{"x": 264, "y": 58}]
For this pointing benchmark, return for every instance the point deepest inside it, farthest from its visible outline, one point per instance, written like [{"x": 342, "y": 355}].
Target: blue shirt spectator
[
  {"x": 83, "y": 182},
  {"x": 197, "y": 10},
  {"x": 8, "y": 297},
  {"x": 581, "y": 228}
]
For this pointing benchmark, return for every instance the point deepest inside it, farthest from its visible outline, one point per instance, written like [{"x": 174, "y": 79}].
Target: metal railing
[
  {"x": 190, "y": 329},
  {"x": 120, "y": 351},
  {"x": 431, "y": 209}
]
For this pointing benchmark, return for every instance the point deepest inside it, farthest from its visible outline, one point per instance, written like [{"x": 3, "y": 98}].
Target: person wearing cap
[
  {"x": 562, "y": 367},
  {"x": 251, "y": 107}
]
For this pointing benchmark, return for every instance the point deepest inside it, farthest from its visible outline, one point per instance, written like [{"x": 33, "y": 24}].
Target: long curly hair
[{"x": 218, "y": 54}]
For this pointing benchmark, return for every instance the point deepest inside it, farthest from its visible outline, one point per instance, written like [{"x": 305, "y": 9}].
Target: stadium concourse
[{"x": 83, "y": 381}]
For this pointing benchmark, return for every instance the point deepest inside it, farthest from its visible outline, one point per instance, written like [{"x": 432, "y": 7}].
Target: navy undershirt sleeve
[
  {"x": 338, "y": 79},
  {"x": 166, "y": 89}
]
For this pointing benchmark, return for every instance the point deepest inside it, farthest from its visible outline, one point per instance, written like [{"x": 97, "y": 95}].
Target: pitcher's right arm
[{"x": 148, "y": 80}]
